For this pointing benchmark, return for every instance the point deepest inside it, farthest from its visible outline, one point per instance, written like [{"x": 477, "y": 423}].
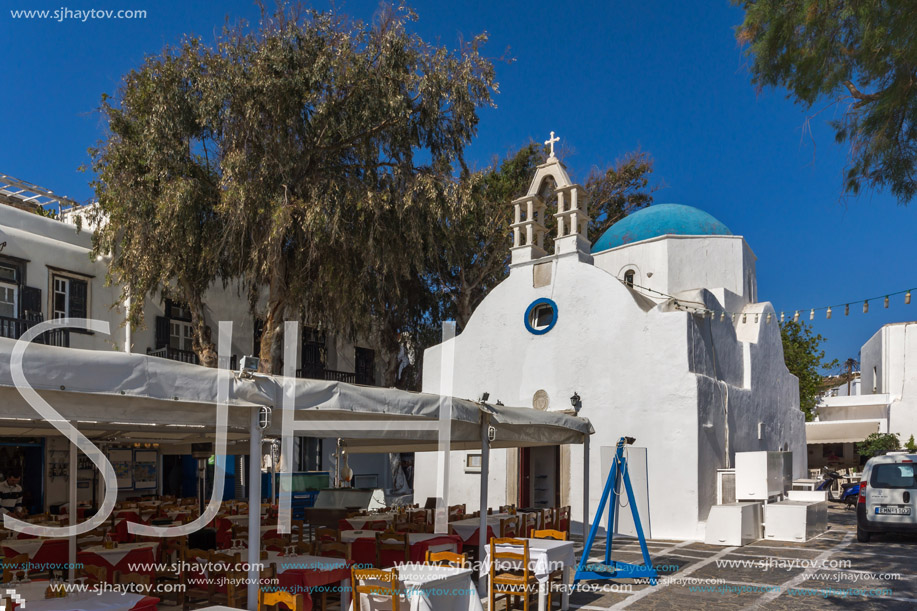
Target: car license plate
[{"x": 891, "y": 510}]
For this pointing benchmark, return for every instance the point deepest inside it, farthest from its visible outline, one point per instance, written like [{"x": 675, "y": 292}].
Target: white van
[{"x": 888, "y": 495}]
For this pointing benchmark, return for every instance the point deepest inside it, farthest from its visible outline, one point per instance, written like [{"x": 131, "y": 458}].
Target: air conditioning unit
[{"x": 762, "y": 475}]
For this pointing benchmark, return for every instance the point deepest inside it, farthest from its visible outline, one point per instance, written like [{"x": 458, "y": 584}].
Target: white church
[{"x": 654, "y": 331}]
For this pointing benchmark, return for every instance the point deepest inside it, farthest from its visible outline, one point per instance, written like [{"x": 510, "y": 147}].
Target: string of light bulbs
[{"x": 689, "y": 306}]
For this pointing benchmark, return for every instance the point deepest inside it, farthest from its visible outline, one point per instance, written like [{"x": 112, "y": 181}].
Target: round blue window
[{"x": 541, "y": 316}]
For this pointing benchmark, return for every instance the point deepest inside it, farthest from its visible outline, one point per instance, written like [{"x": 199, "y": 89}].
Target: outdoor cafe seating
[{"x": 308, "y": 564}]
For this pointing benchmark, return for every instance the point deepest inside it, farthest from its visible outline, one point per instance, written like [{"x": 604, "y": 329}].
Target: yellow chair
[
  {"x": 392, "y": 541},
  {"x": 383, "y": 584},
  {"x": 452, "y": 559},
  {"x": 12, "y": 568},
  {"x": 516, "y": 581},
  {"x": 294, "y": 602},
  {"x": 549, "y": 533},
  {"x": 556, "y": 577},
  {"x": 509, "y": 527}
]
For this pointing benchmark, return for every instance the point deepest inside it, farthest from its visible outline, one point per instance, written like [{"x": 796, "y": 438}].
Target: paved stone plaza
[{"x": 831, "y": 571}]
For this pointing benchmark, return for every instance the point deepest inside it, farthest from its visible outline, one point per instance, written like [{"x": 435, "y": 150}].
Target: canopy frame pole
[
  {"x": 485, "y": 479},
  {"x": 585, "y": 485},
  {"x": 254, "y": 510},
  {"x": 72, "y": 511},
  {"x": 446, "y": 384}
]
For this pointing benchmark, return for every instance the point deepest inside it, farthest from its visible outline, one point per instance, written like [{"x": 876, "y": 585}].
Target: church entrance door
[{"x": 539, "y": 477}]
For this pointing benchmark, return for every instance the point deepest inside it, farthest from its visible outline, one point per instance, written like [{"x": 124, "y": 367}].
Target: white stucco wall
[
  {"x": 888, "y": 361},
  {"x": 674, "y": 263},
  {"x": 664, "y": 377}
]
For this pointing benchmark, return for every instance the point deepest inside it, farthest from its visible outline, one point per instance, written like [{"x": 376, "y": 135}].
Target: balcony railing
[
  {"x": 13, "y": 328},
  {"x": 184, "y": 356},
  {"x": 320, "y": 373},
  {"x": 174, "y": 354}
]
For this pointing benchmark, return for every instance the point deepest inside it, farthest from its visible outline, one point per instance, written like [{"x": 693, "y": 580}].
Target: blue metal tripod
[{"x": 613, "y": 569}]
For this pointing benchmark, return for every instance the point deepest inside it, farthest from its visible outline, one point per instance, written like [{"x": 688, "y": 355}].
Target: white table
[
  {"x": 34, "y": 594},
  {"x": 433, "y": 588},
  {"x": 545, "y": 556},
  {"x": 115, "y": 555},
  {"x": 358, "y": 522},
  {"x": 466, "y": 527},
  {"x": 806, "y": 484},
  {"x": 24, "y": 546}
]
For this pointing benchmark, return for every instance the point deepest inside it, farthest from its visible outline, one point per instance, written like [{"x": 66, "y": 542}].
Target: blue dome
[{"x": 655, "y": 221}]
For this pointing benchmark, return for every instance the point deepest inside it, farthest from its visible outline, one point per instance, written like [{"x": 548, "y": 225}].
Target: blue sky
[{"x": 609, "y": 77}]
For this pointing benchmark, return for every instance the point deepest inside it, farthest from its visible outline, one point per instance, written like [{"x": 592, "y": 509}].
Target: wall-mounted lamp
[{"x": 576, "y": 402}]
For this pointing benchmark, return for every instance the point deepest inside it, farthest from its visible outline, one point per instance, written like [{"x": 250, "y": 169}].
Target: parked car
[{"x": 888, "y": 495}]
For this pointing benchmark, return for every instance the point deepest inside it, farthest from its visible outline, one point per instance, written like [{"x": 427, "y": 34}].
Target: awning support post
[
  {"x": 485, "y": 479},
  {"x": 585, "y": 485},
  {"x": 254, "y": 509},
  {"x": 72, "y": 512}
]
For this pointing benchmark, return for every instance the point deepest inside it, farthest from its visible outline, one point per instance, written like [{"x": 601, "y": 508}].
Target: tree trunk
[
  {"x": 463, "y": 309},
  {"x": 203, "y": 338},
  {"x": 272, "y": 335}
]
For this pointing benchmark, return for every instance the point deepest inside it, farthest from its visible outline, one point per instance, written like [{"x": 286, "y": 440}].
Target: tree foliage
[
  {"x": 877, "y": 444},
  {"x": 158, "y": 187},
  {"x": 307, "y": 158},
  {"x": 806, "y": 360},
  {"x": 861, "y": 55}
]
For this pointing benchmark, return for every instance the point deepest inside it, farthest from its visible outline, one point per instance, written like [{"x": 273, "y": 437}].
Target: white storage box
[
  {"x": 811, "y": 496},
  {"x": 762, "y": 475},
  {"x": 795, "y": 520},
  {"x": 733, "y": 524}
]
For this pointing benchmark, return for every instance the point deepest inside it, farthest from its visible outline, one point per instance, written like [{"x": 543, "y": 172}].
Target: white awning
[
  {"x": 841, "y": 431},
  {"x": 123, "y": 393}
]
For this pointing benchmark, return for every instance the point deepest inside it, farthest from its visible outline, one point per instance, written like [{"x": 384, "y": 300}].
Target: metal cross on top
[{"x": 550, "y": 142}]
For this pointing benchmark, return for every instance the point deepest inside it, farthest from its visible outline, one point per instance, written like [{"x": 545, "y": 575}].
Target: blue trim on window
[{"x": 528, "y": 315}]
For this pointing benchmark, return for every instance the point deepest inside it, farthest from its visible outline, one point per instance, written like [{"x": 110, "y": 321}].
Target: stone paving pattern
[{"x": 795, "y": 587}]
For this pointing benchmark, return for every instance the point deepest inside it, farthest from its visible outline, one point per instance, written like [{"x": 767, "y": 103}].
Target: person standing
[{"x": 11, "y": 495}]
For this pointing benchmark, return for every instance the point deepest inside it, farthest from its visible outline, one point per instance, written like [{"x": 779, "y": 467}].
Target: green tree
[
  {"x": 806, "y": 360},
  {"x": 158, "y": 187},
  {"x": 911, "y": 445},
  {"x": 306, "y": 158},
  {"x": 877, "y": 444},
  {"x": 861, "y": 55}
]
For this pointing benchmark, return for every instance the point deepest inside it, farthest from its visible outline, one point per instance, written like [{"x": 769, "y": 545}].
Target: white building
[
  {"x": 882, "y": 400},
  {"x": 607, "y": 323},
  {"x": 46, "y": 272}
]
